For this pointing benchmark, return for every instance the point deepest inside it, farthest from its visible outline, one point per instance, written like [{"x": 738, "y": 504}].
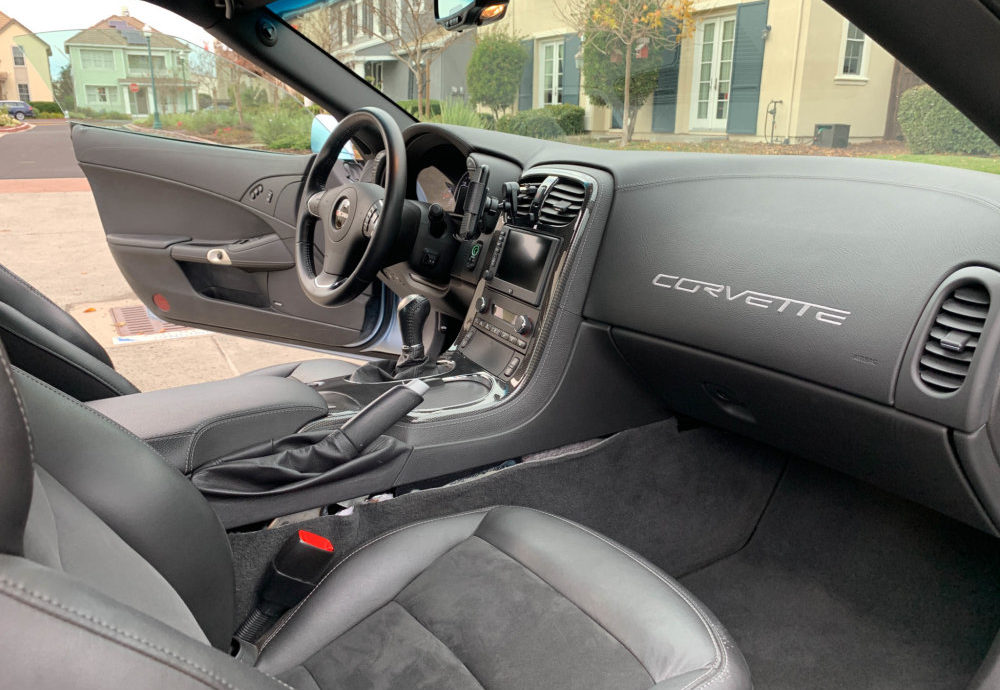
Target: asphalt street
[{"x": 43, "y": 152}]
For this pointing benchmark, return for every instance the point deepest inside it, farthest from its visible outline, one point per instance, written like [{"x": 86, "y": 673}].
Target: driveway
[
  {"x": 51, "y": 235},
  {"x": 41, "y": 152}
]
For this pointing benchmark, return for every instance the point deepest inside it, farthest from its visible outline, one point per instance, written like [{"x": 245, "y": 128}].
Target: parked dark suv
[{"x": 19, "y": 109}]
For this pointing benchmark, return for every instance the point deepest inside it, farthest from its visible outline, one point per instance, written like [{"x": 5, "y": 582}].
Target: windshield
[{"x": 777, "y": 77}]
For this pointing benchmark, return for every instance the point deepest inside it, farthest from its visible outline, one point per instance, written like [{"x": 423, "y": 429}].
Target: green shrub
[
  {"x": 410, "y": 106},
  {"x": 489, "y": 121},
  {"x": 539, "y": 124},
  {"x": 46, "y": 107},
  {"x": 569, "y": 116},
  {"x": 283, "y": 129},
  {"x": 456, "y": 112},
  {"x": 201, "y": 121},
  {"x": 494, "y": 71},
  {"x": 932, "y": 125},
  {"x": 6, "y": 120}
]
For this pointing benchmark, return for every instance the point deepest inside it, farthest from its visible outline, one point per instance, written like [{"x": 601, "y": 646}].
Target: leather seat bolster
[
  {"x": 58, "y": 361},
  {"x": 151, "y": 506},
  {"x": 65, "y": 634},
  {"x": 362, "y": 583},
  {"x": 209, "y": 420},
  {"x": 38, "y": 308}
]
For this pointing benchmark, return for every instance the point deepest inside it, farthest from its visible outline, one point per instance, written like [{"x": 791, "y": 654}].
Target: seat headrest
[{"x": 16, "y": 470}]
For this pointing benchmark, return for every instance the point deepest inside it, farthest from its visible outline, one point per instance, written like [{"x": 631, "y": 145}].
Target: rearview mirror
[{"x": 458, "y": 15}]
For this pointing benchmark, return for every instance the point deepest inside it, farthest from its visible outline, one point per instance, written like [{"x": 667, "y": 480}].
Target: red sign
[{"x": 133, "y": 87}]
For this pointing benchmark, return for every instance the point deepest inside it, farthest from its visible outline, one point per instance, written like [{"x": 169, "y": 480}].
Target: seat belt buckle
[
  {"x": 297, "y": 569},
  {"x": 299, "y": 566}
]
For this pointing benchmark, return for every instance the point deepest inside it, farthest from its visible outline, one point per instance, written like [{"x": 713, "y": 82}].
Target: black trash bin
[{"x": 832, "y": 136}]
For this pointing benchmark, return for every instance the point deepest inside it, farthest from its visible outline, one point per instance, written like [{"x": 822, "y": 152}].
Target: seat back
[
  {"x": 45, "y": 341},
  {"x": 114, "y": 571}
]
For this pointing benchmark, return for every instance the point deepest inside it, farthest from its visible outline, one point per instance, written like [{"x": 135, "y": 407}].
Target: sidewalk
[{"x": 51, "y": 235}]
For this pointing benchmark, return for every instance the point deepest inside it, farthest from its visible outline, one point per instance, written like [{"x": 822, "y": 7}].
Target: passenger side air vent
[
  {"x": 563, "y": 203},
  {"x": 954, "y": 336}
]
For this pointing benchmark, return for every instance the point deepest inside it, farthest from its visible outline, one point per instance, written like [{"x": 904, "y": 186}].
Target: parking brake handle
[{"x": 379, "y": 416}]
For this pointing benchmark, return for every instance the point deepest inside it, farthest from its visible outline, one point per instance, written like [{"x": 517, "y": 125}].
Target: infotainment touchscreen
[{"x": 524, "y": 260}]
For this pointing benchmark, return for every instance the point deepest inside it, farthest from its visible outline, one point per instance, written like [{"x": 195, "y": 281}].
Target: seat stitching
[
  {"x": 574, "y": 604},
  {"x": 106, "y": 420},
  {"x": 20, "y": 587},
  {"x": 20, "y": 403},
  {"x": 443, "y": 644},
  {"x": 721, "y": 656},
  {"x": 35, "y": 343},
  {"x": 200, "y": 430},
  {"x": 288, "y": 617}
]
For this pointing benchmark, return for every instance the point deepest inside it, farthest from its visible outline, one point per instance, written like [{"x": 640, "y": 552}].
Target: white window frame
[
  {"x": 560, "y": 92},
  {"x": 110, "y": 94},
  {"x": 17, "y": 52},
  {"x": 91, "y": 52},
  {"x": 866, "y": 51},
  {"x": 24, "y": 95}
]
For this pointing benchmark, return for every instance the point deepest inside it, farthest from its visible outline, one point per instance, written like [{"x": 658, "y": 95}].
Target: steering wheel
[{"x": 361, "y": 220}]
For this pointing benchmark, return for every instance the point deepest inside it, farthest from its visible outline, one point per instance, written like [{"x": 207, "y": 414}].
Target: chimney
[{"x": 125, "y": 11}]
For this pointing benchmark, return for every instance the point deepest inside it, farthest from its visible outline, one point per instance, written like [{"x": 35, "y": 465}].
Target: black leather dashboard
[{"x": 784, "y": 297}]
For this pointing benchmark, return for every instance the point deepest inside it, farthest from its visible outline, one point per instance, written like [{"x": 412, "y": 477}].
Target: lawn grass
[{"x": 987, "y": 164}]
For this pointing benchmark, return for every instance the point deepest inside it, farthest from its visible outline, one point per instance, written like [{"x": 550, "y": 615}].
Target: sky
[{"x": 57, "y": 15}]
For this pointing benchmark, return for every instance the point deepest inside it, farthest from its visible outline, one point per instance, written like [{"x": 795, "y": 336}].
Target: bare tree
[{"x": 413, "y": 37}]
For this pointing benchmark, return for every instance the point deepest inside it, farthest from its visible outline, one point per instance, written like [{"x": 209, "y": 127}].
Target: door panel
[{"x": 211, "y": 229}]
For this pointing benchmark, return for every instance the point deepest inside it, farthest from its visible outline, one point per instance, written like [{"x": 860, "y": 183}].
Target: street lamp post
[{"x": 152, "y": 79}]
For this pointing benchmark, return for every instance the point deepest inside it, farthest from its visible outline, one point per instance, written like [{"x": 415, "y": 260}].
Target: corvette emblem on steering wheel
[{"x": 342, "y": 213}]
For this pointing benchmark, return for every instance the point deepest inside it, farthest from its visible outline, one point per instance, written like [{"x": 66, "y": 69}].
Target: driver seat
[{"x": 51, "y": 345}]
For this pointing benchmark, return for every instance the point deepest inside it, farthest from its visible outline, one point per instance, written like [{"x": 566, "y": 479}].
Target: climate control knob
[
  {"x": 523, "y": 325},
  {"x": 482, "y": 304}
]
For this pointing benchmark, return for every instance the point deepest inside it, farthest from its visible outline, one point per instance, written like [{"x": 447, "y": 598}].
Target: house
[
  {"x": 771, "y": 69},
  {"x": 110, "y": 66},
  {"x": 24, "y": 63},
  {"x": 378, "y": 38}
]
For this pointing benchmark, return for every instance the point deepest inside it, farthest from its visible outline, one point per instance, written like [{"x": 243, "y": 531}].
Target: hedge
[
  {"x": 538, "y": 123},
  {"x": 931, "y": 124},
  {"x": 569, "y": 116},
  {"x": 46, "y": 107}
]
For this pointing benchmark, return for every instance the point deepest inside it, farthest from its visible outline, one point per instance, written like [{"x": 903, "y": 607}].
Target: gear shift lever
[{"x": 413, "y": 311}]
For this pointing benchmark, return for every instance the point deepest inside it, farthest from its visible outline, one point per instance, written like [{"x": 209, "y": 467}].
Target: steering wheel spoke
[{"x": 360, "y": 220}]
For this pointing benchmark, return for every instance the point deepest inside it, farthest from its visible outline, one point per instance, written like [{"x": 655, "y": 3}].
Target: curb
[{"x": 13, "y": 130}]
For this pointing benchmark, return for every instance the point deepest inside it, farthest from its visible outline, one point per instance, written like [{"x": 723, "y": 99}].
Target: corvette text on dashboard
[{"x": 752, "y": 298}]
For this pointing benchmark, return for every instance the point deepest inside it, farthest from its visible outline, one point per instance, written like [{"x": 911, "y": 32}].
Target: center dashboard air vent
[
  {"x": 953, "y": 338},
  {"x": 562, "y": 201}
]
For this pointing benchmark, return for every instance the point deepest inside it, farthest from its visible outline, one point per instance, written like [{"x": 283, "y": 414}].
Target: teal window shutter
[
  {"x": 665, "y": 95},
  {"x": 748, "y": 62},
  {"x": 571, "y": 75},
  {"x": 524, "y": 94}
]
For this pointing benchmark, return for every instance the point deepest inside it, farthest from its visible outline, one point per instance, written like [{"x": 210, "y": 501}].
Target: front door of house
[
  {"x": 713, "y": 73},
  {"x": 140, "y": 101}
]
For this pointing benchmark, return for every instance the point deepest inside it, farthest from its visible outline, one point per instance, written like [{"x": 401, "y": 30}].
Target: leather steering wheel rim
[{"x": 346, "y": 211}]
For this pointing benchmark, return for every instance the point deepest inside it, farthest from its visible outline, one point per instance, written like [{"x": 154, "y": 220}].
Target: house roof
[
  {"x": 6, "y": 20},
  {"x": 110, "y": 32}
]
